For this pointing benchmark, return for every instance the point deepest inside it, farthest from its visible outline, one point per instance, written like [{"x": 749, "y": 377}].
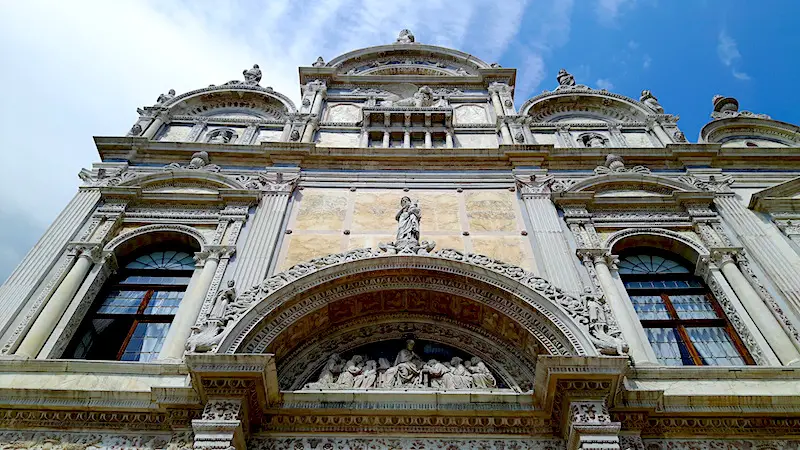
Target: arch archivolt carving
[
  {"x": 631, "y": 181},
  {"x": 474, "y": 303},
  {"x": 156, "y": 228},
  {"x": 536, "y": 312},
  {"x": 270, "y": 102},
  {"x": 198, "y": 177},
  {"x": 514, "y": 366},
  {"x": 618, "y": 236}
]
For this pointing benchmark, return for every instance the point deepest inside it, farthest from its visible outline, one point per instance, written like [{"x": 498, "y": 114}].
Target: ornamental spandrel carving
[
  {"x": 713, "y": 184},
  {"x": 61, "y": 440},
  {"x": 542, "y": 184},
  {"x": 269, "y": 182}
]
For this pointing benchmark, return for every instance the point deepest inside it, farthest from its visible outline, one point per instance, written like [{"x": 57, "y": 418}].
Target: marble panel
[
  {"x": 470, "y": 114},
  {"x": 476, "y": 140},
  {"x": 321, "y": 210},
  {"x": 546, "y": 138},
  {"x": 269, "y": 135},
  {"x": 490, "y": 211},
  {"x": 302, "y": 247},
  {"x": 344, "y": 113},
  {"x": 338, "y": 139},
  {"x": 509, "y": 249},
  {"x": 439, "y": 211},
  {"x": 375, "y": 210},
  {"x": 637, "y": 139},
  {"x": 176, "y": 133}
]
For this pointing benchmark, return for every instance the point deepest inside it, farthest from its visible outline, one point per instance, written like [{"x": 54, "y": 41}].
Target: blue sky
[{"x": 77, "y": 69}]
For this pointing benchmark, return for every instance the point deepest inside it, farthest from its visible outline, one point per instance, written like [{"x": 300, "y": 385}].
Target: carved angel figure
[
  {"x": 599, "y": 327},
  {"x": 224, "y": 298}
]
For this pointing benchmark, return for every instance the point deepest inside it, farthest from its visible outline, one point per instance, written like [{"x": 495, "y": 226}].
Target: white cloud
[
  {"x": 553, "y": 22},
  {"x": 608, "y": 10},
  {"x": 604, "y": 83},
  {"x": 633, "y": 45},
  {"x": 80, "y": 69},
  {"x": 728, "y": 53},
  {"x": 646, "y": 62},
  {"x": 727, "y": 50}
]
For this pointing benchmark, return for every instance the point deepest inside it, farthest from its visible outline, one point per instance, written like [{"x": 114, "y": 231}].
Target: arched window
[
  {"x": 130, "y": 320},
  {"x": 683, "y": 322}
]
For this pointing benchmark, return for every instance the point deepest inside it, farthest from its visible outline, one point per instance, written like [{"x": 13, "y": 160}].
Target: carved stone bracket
[{"x": 236, "y": 390}]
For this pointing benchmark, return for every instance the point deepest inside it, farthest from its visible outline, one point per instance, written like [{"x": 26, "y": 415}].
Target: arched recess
[
  {"x": 383, "y": 297},
  {"x": 663, "y": 239},
  {"x": 155, "y": 233}
]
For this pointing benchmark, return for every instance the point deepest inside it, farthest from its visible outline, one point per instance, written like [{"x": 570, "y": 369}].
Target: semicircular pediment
[
  {"x": 584, "y": 106},
  {"x": 630, "y": 184},
  {"x": 233, "y": 102},
  {"x": 413, "y": 59}
]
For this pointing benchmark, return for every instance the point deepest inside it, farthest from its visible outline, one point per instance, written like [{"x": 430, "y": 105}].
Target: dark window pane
[
  {"x": 169, "y": 260},
  {"x": 146, "y": 341},
  {"x": 650, "y": 307},
  {"x": 715, "y": 346},
  {"x": 693, "y": 307},
  {"x": 164, "y": 302},
  {"x": 121, "y": 302},
  {"x": 649, "y": 264},
  {"x": 668, "y": 347}
]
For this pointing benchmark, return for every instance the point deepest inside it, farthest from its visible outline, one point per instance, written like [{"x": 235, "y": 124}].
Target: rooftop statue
[
  {"x": 565, "y": 78},
  {"x": 651, "y": 102},
  {"x": 567, "y": 81},
  {"x": 319, "y": 62},
  {"x": 252, "y": 76},
  {"x": 728, "y": 107},
  {"x": 164, "y": 98},
  {"x": 405, "y": 37}
]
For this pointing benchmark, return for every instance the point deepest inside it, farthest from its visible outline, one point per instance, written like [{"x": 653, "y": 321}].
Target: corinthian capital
[{"x": 724, "y": 255}]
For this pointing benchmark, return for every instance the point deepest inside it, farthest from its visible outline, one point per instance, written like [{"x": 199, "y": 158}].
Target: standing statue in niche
[
  {"x": 252, "y": 76},
  {"x": 651, "y": 102},
  {"x": 407, "y": 239}
]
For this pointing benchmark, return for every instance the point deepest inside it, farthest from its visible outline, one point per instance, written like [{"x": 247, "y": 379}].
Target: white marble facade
[{"x": 567, "y": 285}]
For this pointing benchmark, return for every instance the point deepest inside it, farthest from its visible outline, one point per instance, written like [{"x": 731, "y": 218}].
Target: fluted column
[
  {"x": 556, "y": 263},
  {"x": 766, "y": 245},
  {"x": 386, "y": 139},
  {"x": 48, "y": 318},
  {"x": 428, "y": 141},
  {"x": 406, "y": 139},
  {"x": 629, "y": 325},
  {"x": 39, "y": 261},
  {"x": 192, "y": 302},
  {"x": 254, "y": 258},
  {"x": 757, "y": 310}
]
